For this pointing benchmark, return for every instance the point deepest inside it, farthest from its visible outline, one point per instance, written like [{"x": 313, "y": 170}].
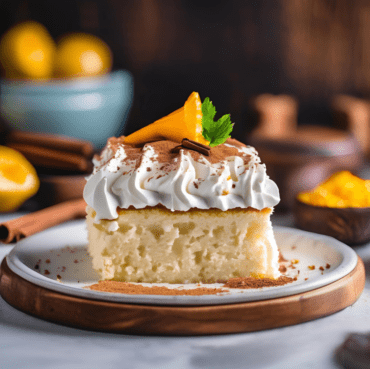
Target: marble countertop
[{"x": 28, "y": 342}]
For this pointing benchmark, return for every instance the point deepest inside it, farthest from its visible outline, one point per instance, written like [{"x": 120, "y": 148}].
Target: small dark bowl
[
  {"x": 301, "y": 160},
  {"x": 349, "y": 225}
]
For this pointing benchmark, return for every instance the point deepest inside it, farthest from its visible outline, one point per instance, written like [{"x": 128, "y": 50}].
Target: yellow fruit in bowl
[
  {"x": 18, "y": 179},
  {"x": 82, "y": 55},
  {"x": 27, "y": 51}
]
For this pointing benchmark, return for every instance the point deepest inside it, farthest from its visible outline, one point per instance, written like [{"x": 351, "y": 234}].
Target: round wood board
[{"x": 180, "y": 320}]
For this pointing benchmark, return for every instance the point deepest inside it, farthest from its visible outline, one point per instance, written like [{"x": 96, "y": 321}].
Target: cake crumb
[
  {"x": 281, "y": 257},
  {"x": 327, "y": 266},
  {"x": 282, "y": 269},
  {"x": 311, "y": 267}
]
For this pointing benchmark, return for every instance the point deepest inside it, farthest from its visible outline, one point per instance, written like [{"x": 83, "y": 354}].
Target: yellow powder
[{"x": 341, "y": 190}]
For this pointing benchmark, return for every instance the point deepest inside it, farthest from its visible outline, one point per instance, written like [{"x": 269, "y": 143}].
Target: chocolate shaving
[{"x": 192, "y": 145}]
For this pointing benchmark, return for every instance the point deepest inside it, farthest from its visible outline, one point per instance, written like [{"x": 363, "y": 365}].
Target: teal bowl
[{"x": 92, "y": 109}]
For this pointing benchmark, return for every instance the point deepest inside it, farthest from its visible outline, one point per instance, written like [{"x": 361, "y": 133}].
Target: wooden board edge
[{"x": 180, "y": 320}]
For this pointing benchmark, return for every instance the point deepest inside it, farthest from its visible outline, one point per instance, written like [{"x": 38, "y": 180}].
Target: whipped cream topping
[{"x": 124, "y": 176}]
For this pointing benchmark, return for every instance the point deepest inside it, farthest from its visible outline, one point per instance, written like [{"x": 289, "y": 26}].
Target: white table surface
[{"x": 28, "y": 342}]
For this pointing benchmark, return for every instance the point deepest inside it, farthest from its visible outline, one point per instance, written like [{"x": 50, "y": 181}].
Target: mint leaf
[
  {"x": 208, "y": 108},
  {"x": 215, "y": 132}
]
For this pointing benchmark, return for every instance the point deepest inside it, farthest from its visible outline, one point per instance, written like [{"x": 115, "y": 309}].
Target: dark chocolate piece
[
  {"x": 355, "y": 352},
  {"x": 176, "y": 149},
  {"x": 192, "y": 145}
]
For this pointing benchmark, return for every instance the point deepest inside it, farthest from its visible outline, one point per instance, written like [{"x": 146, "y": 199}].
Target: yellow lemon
[
  {"x": 18, "y": 179},
  {"x": 80, "y": 55},
  {"x": 27, "y": 51},
  {"x": 185, "y": 122}
]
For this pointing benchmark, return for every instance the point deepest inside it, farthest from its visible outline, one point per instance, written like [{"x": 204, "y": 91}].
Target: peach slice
[{"x": 185, "y": 122}]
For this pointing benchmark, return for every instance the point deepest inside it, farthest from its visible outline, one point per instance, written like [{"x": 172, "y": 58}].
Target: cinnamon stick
[
  {"x": 49, "y": 158},
  {"x": 17, "y": 229},
  {"x": 52, "y": 151},
  {"x": 55, "y": 142}
]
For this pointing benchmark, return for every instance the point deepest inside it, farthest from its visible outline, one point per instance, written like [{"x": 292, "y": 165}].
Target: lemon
[
  {"x": 18, "y": 179},
  {"x": 27, "y": 51},
  {"x": 82, "y": 55}
]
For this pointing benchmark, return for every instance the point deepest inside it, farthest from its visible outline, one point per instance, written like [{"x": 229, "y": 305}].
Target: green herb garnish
[{"x": 215, "y": 132}]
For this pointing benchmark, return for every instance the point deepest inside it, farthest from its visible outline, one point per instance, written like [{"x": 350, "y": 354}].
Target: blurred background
[
  {"x": 312, "y": 57},
  {"x": 228, "y": 50}
]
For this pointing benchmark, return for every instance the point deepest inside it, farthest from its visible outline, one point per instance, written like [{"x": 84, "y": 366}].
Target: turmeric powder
[{"x": 341, "y": 190}]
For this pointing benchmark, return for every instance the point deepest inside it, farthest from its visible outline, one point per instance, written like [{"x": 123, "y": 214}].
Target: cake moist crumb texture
[{"x": 155, "y": 244}]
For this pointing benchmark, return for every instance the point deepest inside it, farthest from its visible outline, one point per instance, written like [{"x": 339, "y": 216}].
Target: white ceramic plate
[{"x": 57, "y": 259}]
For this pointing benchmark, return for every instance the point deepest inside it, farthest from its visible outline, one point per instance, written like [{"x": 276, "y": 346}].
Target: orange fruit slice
[
  {"x": 27, "y": 51},
  {"x": 341, "y": 190},
  {"x": 81, "y": 55},
  {"x": 18, "y": 179},
  {"x": 185, "y": 122}
]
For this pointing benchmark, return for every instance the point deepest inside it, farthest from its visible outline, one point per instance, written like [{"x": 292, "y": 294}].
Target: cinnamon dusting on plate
[
  {"x": 250, "y": 282},
  {"x": 137, "y": 289}
]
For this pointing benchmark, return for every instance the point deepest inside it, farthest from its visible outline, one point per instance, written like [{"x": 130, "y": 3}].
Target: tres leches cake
[{"x": 166, "y": 210}]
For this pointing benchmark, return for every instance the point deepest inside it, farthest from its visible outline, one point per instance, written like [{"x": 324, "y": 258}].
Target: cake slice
[
  {"x": 169, "y": 213},
  {"x": 157, "y": 245}
]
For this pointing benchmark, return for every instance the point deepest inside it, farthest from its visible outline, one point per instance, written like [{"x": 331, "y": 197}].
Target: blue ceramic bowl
[{"x": 93, "y": 109}]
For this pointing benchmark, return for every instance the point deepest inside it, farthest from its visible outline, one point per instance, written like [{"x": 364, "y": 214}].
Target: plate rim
[{"x": 347, "y": 264}]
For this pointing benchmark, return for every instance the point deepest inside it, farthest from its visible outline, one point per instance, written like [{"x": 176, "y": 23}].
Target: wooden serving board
[{"x": 180, "y": 320}]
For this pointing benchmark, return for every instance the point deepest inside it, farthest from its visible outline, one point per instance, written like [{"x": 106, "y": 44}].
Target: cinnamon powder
[
  {"x": 281, "y": 257},
  {"x": 137, "y": 289},
  {"x": 250, "y": 282},
  {"x": 163, "y": 153}
]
